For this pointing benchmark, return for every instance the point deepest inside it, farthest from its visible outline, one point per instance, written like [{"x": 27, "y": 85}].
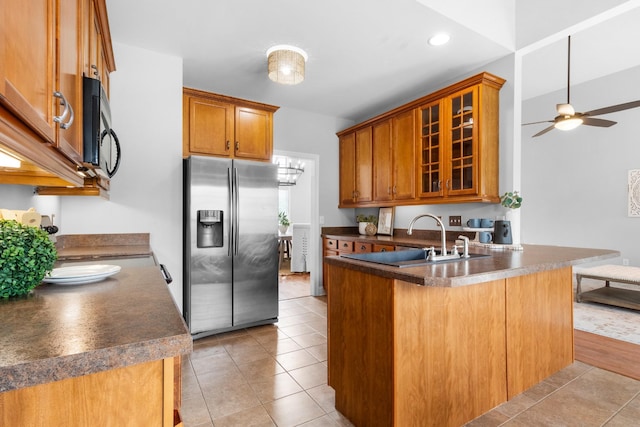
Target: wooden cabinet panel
[
  {"x": 383, "y": 182},
  {"x": 461, "y": 350},
  {"x": 362, "y": 247},
  {"x": 69, "y": 72},
  {"x": 347, "y": 169},
  {"x": 254, "y": 132},
  {"x": 138, "y": 395},
  {"x": 345, "y": 246},
  {"x": 356, "y": 167},
  {"x": 29, "y": 63},
  {"x": 539, "y": 327},
  {"x": 364, "y": 163},
  {"x": 224, "y": 126},
  {"x": 403, "y": 150},
  {"x": 210, "y": 126},
  {"x": 361, "y": 358},
  {"x": 331, "y": 244}
]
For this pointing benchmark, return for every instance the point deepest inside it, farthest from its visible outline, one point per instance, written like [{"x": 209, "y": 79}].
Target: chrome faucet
[
  {"x": 443, "y": 255},
  {"x": 465, "y": 246}
]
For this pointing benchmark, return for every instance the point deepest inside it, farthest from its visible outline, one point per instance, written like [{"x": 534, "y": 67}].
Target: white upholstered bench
[{"x": 620, "y": 297}]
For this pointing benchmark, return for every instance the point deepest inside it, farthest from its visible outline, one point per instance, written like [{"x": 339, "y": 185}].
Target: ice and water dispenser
[{"x": 209, "y": 229}]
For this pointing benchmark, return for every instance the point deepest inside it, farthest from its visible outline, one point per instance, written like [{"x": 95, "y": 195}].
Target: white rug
[{"x": 613, "y": 322}]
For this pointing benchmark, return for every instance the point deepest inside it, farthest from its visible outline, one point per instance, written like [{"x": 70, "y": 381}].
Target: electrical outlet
[
  {"x": 455, "y": 221},
  {"x": 625, "y": 261}
]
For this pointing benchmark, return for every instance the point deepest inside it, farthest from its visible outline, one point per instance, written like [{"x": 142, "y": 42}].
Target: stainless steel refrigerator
[{"x": 230, "y": 244}]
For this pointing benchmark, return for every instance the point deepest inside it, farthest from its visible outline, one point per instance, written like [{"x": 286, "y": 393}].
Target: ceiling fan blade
[
  {"x": 543, "y": 131},
  {"x": 592, "y": 121},
  {"x": 536, "y": 123},
  {"x": 613, "y": 108}
]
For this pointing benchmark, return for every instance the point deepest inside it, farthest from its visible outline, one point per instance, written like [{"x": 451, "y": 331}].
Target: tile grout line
[
  {"x": 545, "y": 397},
  {"x": 637, "y": 395}
]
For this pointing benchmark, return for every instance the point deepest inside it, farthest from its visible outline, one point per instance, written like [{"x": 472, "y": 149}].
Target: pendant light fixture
[{"x": 286, "y": 64}]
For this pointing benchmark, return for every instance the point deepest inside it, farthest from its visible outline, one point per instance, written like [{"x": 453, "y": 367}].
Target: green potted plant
[
  {"x": 511, "y": 200},
  {"x": 26, "y": 255},
  {"x": 283, "y": 222},
  {"x": 363, "y": 221}
]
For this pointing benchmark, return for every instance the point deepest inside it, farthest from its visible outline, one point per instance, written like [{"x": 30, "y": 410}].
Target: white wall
[
  {"x": 303, "y": 132},
  {"x": 146, "y": 192},
  {"x": 575, "y": 183}
]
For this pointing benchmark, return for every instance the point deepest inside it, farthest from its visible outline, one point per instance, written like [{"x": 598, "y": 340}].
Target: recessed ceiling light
[{"x": 439, "y": 39}]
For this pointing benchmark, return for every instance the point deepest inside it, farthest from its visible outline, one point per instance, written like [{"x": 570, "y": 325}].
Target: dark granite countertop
[
  {"x": 500, "y": 265},
  {"x": 64, "y": 331}
]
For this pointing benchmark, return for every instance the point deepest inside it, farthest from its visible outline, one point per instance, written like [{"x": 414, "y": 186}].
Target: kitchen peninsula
[
  {"x": 103, "y": 353},
  {"x": 441, "y": 344}
]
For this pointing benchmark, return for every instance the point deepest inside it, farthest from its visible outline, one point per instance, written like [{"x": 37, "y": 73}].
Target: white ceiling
[{"x": 367, "y": 56}]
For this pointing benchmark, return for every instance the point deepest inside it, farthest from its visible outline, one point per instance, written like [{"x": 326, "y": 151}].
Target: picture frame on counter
[{"x": 385, "y": 221}]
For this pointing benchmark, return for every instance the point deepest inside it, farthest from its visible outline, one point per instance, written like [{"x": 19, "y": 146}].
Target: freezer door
[
  {"x": 255, "y": 264},
  {"x": 207, "y": 270}
]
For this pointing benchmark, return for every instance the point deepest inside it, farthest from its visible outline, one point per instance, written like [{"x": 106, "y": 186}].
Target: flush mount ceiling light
[
  {"x": 439, "y": 39},
  {"x": 286, "y": 64}
]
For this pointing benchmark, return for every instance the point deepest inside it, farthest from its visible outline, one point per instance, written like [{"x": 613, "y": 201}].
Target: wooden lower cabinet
[
  {"x": 407, "y": 355},
  {"x": 138, "y": 395},
  {"x": 539, "y": 327}
]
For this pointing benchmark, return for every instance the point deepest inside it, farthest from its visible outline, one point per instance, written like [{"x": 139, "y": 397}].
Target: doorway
[{"x": 300, "y": 203}]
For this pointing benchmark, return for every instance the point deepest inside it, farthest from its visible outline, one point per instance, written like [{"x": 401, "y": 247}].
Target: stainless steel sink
[{"x": 405, "y": 258}]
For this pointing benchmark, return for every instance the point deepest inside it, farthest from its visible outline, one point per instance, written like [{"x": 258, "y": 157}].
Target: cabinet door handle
[
  {"x": 68, "y": 110},
  {"x": 447, "y": 184},
  {"x": 95, "y": 71},
  {"x": 362, "y": 247},
  {"x": 228, "y": 146},
  {"x": 237, "y": 145},
  {"x": 394, "y": 189}
]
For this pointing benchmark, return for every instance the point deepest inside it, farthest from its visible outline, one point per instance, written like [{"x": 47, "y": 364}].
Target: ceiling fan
[{"x": 567, "y": 117}]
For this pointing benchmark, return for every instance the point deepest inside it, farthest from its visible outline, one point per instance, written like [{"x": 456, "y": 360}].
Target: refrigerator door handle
[
  {"x": 236, "y": 215},
  {"x": 231, "y": 210}
]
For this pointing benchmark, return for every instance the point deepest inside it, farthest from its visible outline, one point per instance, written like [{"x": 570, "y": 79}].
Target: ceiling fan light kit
[
  {"x": 286, "y": 64},
  {"x": 567, "y": 117},
  {"x": 568, "y": 123}
]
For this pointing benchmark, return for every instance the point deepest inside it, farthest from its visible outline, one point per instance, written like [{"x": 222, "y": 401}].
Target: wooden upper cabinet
[
  {"x": 459, "y": 153},
  {"x": 441, "y": 148},
  {"x": 222, "y": 126},
  {"x": 42, "y": 70},
  {"x": 347, "y": 147},
  {"x": 69, "y": 80},
  {"x": 44, "y": 45},
  {"x": 383, "y": 181},
  {"x": 356, "y": 168},
  {"x": 403, "y": 149},
  {"x": 394, "y": 158},
  {"x": 254, "y": 134},
  {"x": 364, "y": 165},
  {"x": 28, "y": 63},
  {"x": 210, "y": 126}
]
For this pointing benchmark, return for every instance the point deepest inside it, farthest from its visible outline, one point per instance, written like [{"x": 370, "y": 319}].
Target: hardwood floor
[{"x": 607, "y": 353}]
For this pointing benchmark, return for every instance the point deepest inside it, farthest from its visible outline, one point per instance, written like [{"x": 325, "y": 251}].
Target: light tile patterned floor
[{"x": 276, "y": 375}]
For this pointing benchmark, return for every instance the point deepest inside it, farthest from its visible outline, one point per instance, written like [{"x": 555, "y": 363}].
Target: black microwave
[{"x": 101, "y": 148}]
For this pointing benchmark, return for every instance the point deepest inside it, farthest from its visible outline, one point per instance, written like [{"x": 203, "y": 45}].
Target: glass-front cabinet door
[
  {"x": 463, "y": 146},
  {"x": 449, "y": 146},
  {"x": 430, "y": 171}
]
